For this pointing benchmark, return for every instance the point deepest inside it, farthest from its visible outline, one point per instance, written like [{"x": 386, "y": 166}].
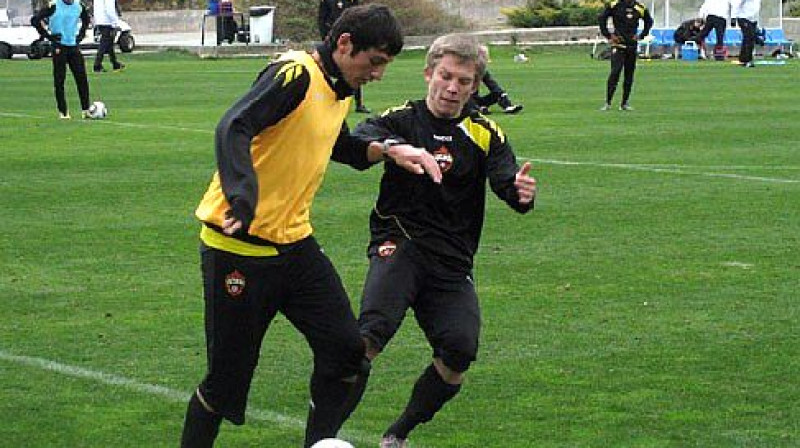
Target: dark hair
[{"x": 369, "y": 26}]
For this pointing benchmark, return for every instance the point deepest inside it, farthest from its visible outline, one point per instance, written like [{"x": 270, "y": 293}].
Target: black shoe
[
  {"x": 484, "y": 110},
  {"x": 362, "y": 109},
  {"x": 119, "y": 67},
  {"x": 513, "y": 109},
  {"x": 99, "y": 70}
]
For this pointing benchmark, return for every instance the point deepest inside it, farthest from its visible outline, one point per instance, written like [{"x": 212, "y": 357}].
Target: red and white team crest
[
  {"x": 443, "y": 157},
  {"x": 387, "y": 249},
  {"x": 234, "y": 284}
]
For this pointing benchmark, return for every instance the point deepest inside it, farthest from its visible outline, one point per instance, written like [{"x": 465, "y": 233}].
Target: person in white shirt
[
  {"x": 106, "y": 21},
  {"x": 746, "y": 13},
  {"x": 715, "y": 13}
]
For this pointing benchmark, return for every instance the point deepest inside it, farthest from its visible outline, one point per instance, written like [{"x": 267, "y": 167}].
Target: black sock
[
  {"x": 200, "y": 427},
  {"x": 430, "y": 393},
  {"x": 357, "y": 391},
  {"x": 328, "y": 398}
]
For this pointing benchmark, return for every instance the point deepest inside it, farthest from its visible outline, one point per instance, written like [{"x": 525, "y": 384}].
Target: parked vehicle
[
  {"x": 17, "y": 36},
  {"x": 125, "y": 39}
]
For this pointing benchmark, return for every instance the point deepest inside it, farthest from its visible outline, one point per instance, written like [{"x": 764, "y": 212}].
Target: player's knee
[
  {"x": 459, "y": 354},
  {"x": 371, "y": 348},
  {"x": 447, "y": 373},
  {"x": 347, "y": 362}
]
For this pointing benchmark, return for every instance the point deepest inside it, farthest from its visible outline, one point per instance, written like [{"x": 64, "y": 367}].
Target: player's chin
[
  {"x": 450, "y": 108},
  {"x": 357, "y": 83}
]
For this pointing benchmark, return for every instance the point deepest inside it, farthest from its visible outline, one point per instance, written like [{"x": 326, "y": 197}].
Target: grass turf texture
[{"x": 651, "y": 300}]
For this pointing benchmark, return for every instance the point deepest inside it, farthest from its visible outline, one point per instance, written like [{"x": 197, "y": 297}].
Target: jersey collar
[{"x": 332, "y": 72}]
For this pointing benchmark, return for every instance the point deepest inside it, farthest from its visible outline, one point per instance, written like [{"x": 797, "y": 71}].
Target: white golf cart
[
  {"x": 17, "y": 36},
  {"x": 125, "y": 39}
]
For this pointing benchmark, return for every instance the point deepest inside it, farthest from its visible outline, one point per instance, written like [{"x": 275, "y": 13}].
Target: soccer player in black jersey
[
  {"x": 64, "y": 23},
  {"x": 424, "y": 235},
  {"x": 625, "y": 14},
  {"x": 259, "y": 256}
]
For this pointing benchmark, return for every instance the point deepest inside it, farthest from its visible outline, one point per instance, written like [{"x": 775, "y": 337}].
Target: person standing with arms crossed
[
  {"x": 424, "y": 235},
  {"x": 625, "y": 15},
  {"x": 329, "y": 11},
  {"x": 67, "y": 21},
  {"x": 258, "y": 254},
  {"x": 106, "y": 20}
]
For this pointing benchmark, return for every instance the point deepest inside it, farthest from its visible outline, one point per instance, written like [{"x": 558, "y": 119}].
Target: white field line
[
  {"x": 172, "y": 395},
  {"x": 667, "y": 169},
  {"x": 671, "y": 170},
  {"x": 110, "y": 122}
]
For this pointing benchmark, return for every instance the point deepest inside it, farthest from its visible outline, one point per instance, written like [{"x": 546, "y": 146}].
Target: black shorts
[
  {"x": 447, "y": 310},
  {"x": 243, "y": 295}
]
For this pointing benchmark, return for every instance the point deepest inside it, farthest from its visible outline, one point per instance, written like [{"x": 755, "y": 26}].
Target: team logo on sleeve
[
  {"x": 234, "y": 284},
  {"x": 386, "y": 249},
  {"x": 443, "y": 157}
]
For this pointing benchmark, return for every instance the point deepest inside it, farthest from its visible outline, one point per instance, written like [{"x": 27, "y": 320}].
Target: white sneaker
[
  {"x": 514, "y": 108},
  {"x": 625, "y": 107},
  {"x": 64, "y": 116},
  {"x": 606, "y": 107},
  {"x": 391, "y": 441}
]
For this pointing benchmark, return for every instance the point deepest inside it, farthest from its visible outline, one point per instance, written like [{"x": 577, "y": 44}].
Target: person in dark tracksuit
[
  {"x": 424, "y": 235},
  {"x": 689, "y": 31},
  {"x": 715, "y": 13},
  {"x": 746, "y": 15},
  {"x": 67, "y": 21},
  {"x": 329, "y": 11},
  {"x": 106, "y": 22},
  {"x": 496, "y": 95},
  {"x": 625, "y": 15},
  {"x": 258, "y": 255}
]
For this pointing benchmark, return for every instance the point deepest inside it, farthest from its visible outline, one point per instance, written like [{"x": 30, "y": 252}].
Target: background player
[{"x": 625, "y": 14}]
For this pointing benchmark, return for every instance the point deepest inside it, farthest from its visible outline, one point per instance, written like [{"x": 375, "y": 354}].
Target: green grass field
[{"x": 651, "y": 300}]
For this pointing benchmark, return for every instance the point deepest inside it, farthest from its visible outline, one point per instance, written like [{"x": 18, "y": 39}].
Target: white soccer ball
[
  {"x": 332, "y": 443},
  {"x": 98, "y": 110}
]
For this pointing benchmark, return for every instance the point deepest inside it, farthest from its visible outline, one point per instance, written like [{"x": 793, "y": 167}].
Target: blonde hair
[{"x": 463, "y": 46}]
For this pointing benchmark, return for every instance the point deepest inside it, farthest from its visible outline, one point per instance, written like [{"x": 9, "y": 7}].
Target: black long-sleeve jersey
[
  {"x": 444, "y": 220},
  {"x": 329, "y": 11},
  {"x": 625, "y": 14}
]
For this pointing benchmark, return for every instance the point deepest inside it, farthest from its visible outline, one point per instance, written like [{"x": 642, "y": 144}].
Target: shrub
[
  {"x": 793, "y": 8},
  {"x": 296, "y": 20},
  {"x": 551, "y": 13}
]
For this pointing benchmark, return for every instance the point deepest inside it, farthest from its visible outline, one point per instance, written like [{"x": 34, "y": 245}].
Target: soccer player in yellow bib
[{"x": 259, "y": 257}]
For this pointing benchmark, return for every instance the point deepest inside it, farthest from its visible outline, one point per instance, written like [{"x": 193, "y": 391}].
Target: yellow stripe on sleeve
[{"x": 290, "y": 72}]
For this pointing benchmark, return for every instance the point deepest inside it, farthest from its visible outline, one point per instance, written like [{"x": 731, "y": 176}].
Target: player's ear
[
  {"x": 428, "y": 72},
  {"x": 344, "y": 43}
]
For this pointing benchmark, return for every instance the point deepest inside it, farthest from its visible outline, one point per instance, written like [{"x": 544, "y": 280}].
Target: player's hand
[
  {"x": 54, "y": 38},
  {"x": 613, "y": 39},
  {"x": 231, "y": 225},
  {"x": 526, "y": 184},
  {"x": 416, "y": 160}
]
